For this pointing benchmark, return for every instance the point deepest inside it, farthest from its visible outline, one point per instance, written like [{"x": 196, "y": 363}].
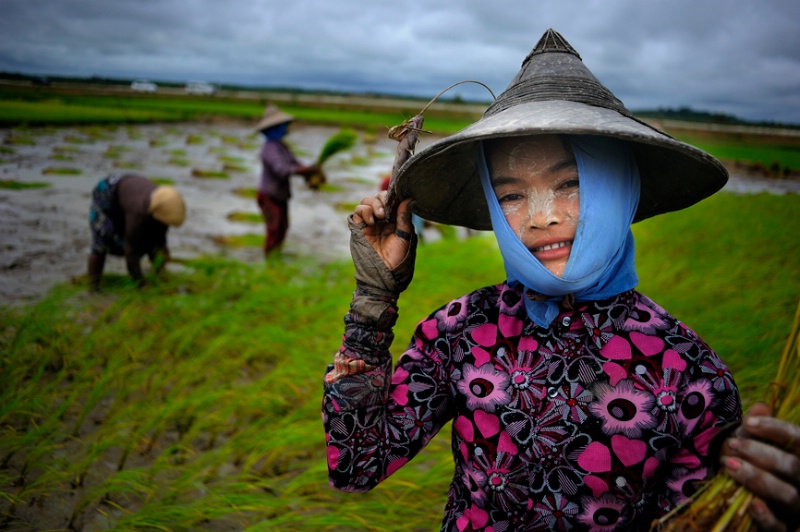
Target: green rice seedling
[
  {"x": 178, "y": 161},
  {"x": 231, "y": 160},
  {"x": 10, "y": 184},
  {"x": 209, "y": 174},
  {"x": 342, "y": 140},
  {"x": 232, "y": 167},
  {"x": 5, "y": 150},
  {"x": 239, "y": 241},
  {"x": 53, "y": 170},
  {"x": 62, "y": 157},
  {"x": 129, "y": 165},
  {"x": 245, "y": 217},
  {"x": 345, "y": 206},
  {"x": 330, "y": 187},
  {"x": 194, "y": 139},
  {"x": 162, "y": 180},
  {"x": 249, "y": 193}
]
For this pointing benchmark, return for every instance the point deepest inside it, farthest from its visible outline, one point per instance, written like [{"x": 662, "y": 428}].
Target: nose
[{"x": 542, "y": 216}]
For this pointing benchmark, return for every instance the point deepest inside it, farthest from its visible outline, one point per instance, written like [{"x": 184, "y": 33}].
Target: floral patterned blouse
[{"x": 601, "y": 422}]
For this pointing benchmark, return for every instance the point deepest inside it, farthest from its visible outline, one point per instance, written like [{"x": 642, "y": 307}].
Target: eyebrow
[{"x": 567, "y": 162}]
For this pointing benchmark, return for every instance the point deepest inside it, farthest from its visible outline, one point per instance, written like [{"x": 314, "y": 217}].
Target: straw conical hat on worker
[
  {"x": 554, "y": 93},
  {"x": 273, "y": 116}
]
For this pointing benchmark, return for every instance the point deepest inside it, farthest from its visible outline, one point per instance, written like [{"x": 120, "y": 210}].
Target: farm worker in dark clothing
[
  {"x": 278, "y": 164},
  {"x": 129, "y": 217},
  {"x": 574, "y": 401}
]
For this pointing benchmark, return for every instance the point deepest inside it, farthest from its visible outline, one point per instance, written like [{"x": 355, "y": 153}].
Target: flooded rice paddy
[{"x": 48, "y": 175}]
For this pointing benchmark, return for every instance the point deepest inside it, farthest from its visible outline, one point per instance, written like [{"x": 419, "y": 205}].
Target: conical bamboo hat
[{"x": 554, "y": 93}]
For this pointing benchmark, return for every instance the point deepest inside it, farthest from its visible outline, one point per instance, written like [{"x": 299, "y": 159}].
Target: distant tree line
[{"x": 687, "y": 114}]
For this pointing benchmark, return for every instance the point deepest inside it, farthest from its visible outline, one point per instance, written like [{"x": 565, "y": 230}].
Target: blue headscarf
[
  {"x": 601, "y": 264},
  {"x": 276, "y": 132}
]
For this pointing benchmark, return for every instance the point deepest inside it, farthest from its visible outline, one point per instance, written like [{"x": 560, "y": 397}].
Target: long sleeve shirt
[
  {"x": 601, "y": 422},
  {"x": 278, "y": 163}
]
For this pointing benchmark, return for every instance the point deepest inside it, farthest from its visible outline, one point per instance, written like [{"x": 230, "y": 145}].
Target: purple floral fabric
[{"x": 601, "y": 422}]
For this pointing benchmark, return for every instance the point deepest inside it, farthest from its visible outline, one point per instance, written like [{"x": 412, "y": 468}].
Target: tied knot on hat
[
  {"x": 167, "y": 206},
  {"x": 273, "y": 116}
]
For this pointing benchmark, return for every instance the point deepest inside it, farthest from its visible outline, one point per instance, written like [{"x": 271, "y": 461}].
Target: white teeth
[{"x": 551, "y": 246}]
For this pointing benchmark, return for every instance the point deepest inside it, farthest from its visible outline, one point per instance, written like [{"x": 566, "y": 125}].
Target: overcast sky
[{"x": 731, "y": 56}]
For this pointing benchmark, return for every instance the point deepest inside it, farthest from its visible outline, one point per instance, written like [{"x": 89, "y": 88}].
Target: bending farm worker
[
  {"x": 576, "y": 401},
  {"x": 129, "y": 216}
]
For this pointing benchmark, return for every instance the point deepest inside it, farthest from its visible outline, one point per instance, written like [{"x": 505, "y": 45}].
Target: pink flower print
[
  {"x": 572, "y": 402},
  {"x": 541, "y": 433},
  {"x": 453, "y": 316},
  {"x": 506, "y": 478},
  {"x": 510, "y": 301},
  {"x": 717, "y": 372},
  {"x": 415, "y": 421},
  {"x": 528, "y": 375},
  {"x": 602, "y": 514},
  {"x": 555, "y": 509},
  {"x": 475, "y": 481},
  {"x": 697, "y": 398},
  {"x": 646, "y": 317},
  {"x": 485, "y": 388},
  {"x": 623, "y": 409},
  {"x": 600, "y": 333},
  {"x": 685, "y": 482},
  {"x": 473, "y": 517}
]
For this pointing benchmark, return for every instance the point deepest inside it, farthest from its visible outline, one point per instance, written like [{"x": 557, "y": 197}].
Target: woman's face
[{"x": 535, "y": 179}]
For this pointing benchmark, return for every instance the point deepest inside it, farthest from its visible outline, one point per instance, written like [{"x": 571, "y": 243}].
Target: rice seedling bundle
[
  {"x": 721, "y": 504},
  {"x": 343, "y": 139}
]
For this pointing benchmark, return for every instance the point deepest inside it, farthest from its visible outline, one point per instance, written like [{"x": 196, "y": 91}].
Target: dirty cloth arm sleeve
[{"x": 375, "y": 423}]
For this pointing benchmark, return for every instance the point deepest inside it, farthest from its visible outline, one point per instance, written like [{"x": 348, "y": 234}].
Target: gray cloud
[{"x": 733, "y": 56}]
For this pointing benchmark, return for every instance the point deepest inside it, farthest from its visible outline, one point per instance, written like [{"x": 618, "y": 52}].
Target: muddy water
[{"x": 44, "y": 233}]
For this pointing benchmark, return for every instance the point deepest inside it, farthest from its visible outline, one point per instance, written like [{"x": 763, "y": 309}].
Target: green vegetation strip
[{"x": 194, "y": 404}]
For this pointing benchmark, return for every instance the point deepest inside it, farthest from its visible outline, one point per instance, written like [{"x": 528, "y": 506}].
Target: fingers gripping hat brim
[{"x": 554, "y": 93}]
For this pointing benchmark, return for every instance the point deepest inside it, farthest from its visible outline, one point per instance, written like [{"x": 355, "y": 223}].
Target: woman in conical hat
[
  {"x": 278, "y": 165},
  {"x": 576, "y": 402}
]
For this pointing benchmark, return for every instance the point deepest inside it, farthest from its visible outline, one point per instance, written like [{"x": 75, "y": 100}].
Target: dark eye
[
  {"x": 508, "y": 197},
  {"x": 571, "y": 183}
]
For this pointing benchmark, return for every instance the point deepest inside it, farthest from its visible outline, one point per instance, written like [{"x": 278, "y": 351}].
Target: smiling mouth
[{"x": 550, "y": 246}]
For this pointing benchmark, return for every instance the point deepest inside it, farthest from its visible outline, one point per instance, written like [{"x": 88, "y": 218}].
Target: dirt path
[{"x": 44, "y": 236}]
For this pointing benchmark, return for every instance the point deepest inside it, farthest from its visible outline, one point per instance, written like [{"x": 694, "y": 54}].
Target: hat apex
[{"x": 552, "y": 41}]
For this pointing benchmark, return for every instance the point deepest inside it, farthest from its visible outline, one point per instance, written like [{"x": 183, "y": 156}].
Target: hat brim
[
  {"x": 274, "y": 120},
  {"x": 443, "y": 179}
]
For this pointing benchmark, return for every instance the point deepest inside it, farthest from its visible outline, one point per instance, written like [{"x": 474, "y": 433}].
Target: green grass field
[{"x": 195, "y": 404}]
